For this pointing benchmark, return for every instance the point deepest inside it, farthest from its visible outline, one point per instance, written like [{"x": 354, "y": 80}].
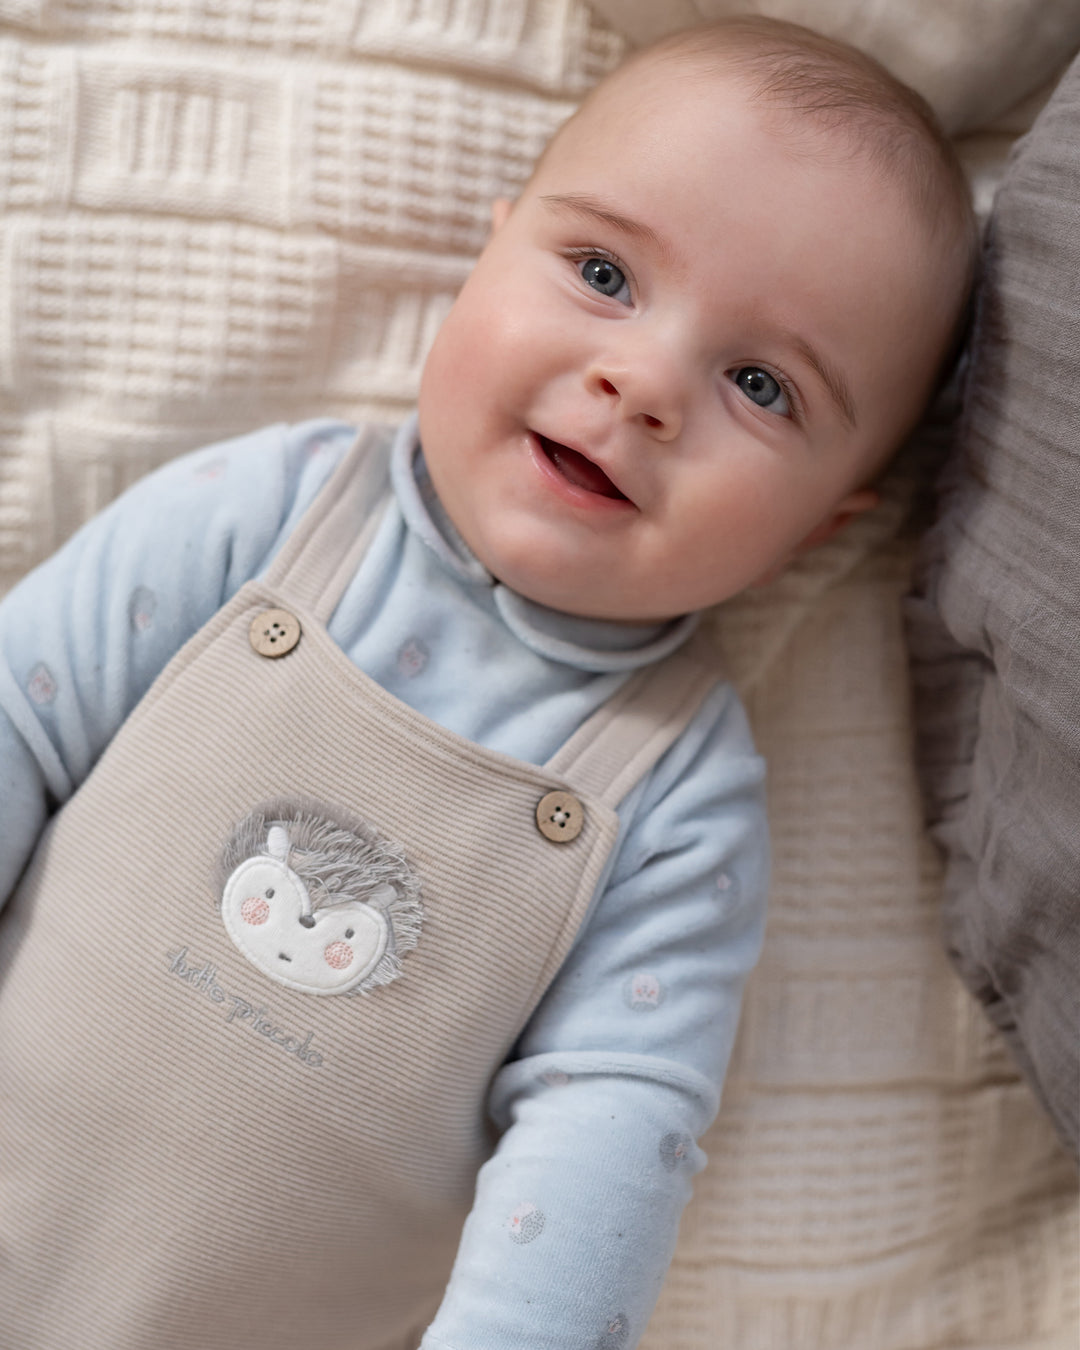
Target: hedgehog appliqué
[{"x": 318, "y": 902}]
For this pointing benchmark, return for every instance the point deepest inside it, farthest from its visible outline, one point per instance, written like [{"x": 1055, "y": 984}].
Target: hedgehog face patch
[
  {"x": 318, "y": 905},
  {"x": 268, "y": 913}
]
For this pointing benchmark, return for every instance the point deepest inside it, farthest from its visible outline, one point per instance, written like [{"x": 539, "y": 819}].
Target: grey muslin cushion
[{"x": 995, "y": 624}]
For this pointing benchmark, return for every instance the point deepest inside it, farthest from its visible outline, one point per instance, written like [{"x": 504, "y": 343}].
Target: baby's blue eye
[
  {"x": 763, "y": 389},
  {"x": 603, "y": 276}
]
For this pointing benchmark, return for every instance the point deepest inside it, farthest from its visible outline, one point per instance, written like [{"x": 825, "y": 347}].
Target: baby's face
[{"x": 680, "y": 355}]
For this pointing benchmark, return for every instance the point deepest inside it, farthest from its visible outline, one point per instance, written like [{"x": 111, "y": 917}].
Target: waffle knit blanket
[{"x": 215, "y": 216}]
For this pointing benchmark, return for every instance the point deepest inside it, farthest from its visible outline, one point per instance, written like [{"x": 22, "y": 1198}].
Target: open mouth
[{"x": 579, "y": 470}]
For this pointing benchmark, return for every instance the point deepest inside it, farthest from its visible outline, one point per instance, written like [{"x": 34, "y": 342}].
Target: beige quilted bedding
[{"x": 220, "y": 213}]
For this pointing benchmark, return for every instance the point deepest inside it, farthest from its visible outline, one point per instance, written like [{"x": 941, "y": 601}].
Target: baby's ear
[
  {"x": 500, "y": 209},
  {"x": 854, "y": 504}
]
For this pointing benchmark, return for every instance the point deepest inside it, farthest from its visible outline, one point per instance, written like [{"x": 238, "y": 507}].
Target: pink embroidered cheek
[
  {"x": 254, "y": 910},
  {"x": 338, "y": 955}
]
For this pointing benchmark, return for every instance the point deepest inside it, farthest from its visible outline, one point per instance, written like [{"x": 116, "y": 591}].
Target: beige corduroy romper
[{"x": 193, "y": 1154}]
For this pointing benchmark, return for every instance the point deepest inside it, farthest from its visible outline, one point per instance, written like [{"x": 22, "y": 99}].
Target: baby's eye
[
  {"x": 603, "y": 276},
  {"x": 763, "y": 389}
]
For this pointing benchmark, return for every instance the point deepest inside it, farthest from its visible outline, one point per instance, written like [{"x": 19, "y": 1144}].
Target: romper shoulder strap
[
  {"x": 622, "y": 740},
  {"x": 321, "y": 555}
]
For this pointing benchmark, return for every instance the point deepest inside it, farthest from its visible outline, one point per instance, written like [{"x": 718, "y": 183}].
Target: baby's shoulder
[
  {"x": 232, "y": 501},
  {"x": 185, "y": 537},
  {"x": 273, "y": 464}
]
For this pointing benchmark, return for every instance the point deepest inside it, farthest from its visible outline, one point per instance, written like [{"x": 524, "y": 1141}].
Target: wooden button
[
  {"x": 560, "y": 817},
  {"x": 274, "y": 632}
]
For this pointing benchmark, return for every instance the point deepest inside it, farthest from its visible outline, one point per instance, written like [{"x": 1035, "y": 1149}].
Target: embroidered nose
[
  {"x": 307, "y": 920},
  {"x": 560, "y": 816}
]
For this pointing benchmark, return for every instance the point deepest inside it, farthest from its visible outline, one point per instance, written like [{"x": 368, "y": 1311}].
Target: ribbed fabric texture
[{"x": 214, "y": 216}]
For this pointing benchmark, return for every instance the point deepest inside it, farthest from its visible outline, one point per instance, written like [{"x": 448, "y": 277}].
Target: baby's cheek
[{"x": 338, "y": 955}]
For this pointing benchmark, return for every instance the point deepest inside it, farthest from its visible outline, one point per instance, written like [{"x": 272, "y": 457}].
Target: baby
[{"x": 398, "y": 797}]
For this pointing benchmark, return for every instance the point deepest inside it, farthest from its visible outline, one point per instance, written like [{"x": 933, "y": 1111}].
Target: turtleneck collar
[{"x": 589, "y": 644}]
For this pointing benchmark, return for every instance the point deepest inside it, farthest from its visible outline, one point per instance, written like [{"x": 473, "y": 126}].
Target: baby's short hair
[{"x": 813, "y": 82}]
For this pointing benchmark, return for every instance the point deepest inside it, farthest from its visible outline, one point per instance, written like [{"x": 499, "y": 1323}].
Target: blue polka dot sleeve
[
  {"x": 619, "y": 1071},
  {"x": 84, "y": 635}
]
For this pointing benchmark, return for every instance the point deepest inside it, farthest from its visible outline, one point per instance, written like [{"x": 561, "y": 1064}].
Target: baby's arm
[
  {"x": 619, "y": 1070},
  {"x": 83, "y": 636}
]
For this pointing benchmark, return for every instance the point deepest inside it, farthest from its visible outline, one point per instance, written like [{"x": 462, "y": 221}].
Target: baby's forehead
[
  {"x": 635, "y": 110},
  {"x": 660, "y": 126},
  {"x": 652, "y": 80},
  {"x": 826, "y": 116},
  {"x": 636, "y": 117}
]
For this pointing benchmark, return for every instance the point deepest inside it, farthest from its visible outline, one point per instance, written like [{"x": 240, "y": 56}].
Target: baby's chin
[{"x": 598, "y": 605}]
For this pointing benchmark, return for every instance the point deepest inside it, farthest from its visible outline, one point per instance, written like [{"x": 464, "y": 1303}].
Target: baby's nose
[{"x": 647, "y": 395}]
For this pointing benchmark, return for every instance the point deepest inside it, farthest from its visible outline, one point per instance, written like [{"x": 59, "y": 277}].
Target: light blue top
[{"x": 620, "y": 1068}]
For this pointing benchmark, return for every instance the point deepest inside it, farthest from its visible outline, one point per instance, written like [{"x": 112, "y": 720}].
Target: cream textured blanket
[{"x": 217, "y": 215}]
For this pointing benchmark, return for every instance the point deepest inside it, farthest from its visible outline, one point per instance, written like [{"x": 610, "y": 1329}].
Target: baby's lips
[{"x": 578, "y": 469}]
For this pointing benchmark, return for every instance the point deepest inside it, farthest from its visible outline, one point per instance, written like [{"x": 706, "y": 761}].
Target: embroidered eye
[
  {"x": 338, "y": 955},
  {"x": 349, "y": 932},
  {"x": 255, "y": 910},
  {"x": 270, "y": 893}
]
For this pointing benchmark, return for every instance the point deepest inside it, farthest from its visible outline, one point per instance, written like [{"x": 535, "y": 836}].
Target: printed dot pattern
[
  {"x": 41, "y": 686},
  {"x": 412, "y": 658},
  {"x": 525, "y": 1224},
  {"x": 211, "y": 470},
  {"x": 643, "y": 992},
  {"x": 675, "y": 1150},
  {"x": 616, "y": 1335},
  {"x": 141, "y": 608}
]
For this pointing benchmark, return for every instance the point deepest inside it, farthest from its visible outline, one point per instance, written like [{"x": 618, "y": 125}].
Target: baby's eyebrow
[
  {"x": 827, "y": 373},
  {"x": 597, "y": 211}
]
